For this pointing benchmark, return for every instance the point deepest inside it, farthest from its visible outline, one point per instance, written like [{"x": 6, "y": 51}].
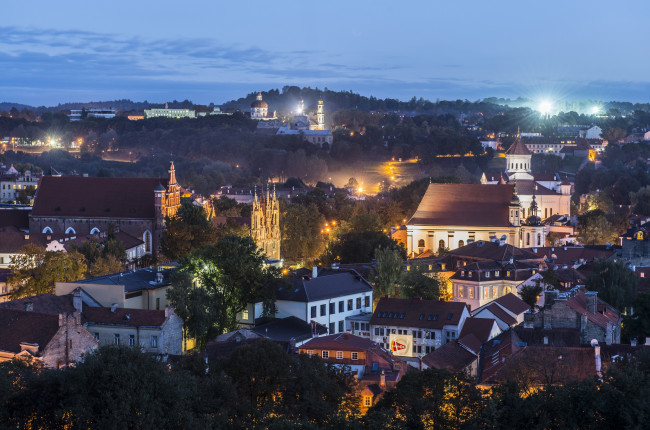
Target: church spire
[{"x": 172, "y": 174}]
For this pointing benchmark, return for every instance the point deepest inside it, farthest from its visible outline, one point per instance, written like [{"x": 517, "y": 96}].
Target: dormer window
[
  {"x": 487, "y": 274},
  {"x": 508, "y": 273},
  {"x": 421, "y": 317},
  {"x": 496, "y": 273},
  {"x": 430, "y": 317},
  {"x": 462, "y": 273},
  {"x": 469, "y": 274}
]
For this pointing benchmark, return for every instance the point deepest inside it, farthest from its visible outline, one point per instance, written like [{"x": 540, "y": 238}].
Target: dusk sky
[{"x": 214, "y": 51}]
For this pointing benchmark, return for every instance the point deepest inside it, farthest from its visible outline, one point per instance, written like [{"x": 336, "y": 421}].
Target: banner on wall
[{"x": 401, "y": 344}]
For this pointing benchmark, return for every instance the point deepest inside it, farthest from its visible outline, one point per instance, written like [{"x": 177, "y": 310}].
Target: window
[
  {"x": 486, "y": 293},
  {"x": 539, "y": 239},
  {"x": 496, "y": 273},
  {"x": 527, "y": 238},
  {"x": 158, "y": 306},
  {"x": 349, "y": 304},
  {"x": 402, "y": 315},
  {"x": 341, "y": 326},
  {"x": 460, "y": 291},
  {"x": 381, "y": 331},
  {"x": 323, "y": 310},
  {"x": 487, "y": 274},
  {"x": 96, "y": 335},
  {"x": 339, "y": 355},
  {"x": 358, "y": 302},
  {"x": 494, "y": 292},
  {"x": 462, "y": 273},
  {"x": 146, "y": 238},
  {"x": 367, "y": 401},
  {"x": 325, "y": 354},
  {"x": 441, "y": 244},
  {"x": 310, "y": 352},
  {"x": 366, "y": 301},
  {"x": 244, "y": 314},
  {"x": 116, "y": 339},
  {"x": 154, "y": 341},
  {"x": 313, "y": 311},
  {"x": 355, "y": 355},
  {"x": 376, "y": 331},
  {"x": 508, "y": 273},
  {"x": 461, "y": 243},
  {"x": 421, "y": 243},
  {"x": 332, "y": 308},
  {"x": 131, "y": 340},
  {"x": 450, "y": 316},
  {"x": 470, "y": 292},
  {"x": 332, "y": 328},
  {"x": 341, "y": 306},
  {"x": 421, "y": 317}
]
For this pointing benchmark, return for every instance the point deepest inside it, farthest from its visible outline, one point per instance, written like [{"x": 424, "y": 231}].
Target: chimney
[
  {"x": 382, "y": 379},
  {"x": 594, "y": 343},
  {"x": 28, "y": 306},
  {"x": 314, "y": 272},
  {"x": 591, "y": 300},
  {"x": 76, "y": 300},
  {"x": 113, "y": 307}
]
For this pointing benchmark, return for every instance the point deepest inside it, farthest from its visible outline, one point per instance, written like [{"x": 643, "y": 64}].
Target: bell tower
[{"x": 320, "y": 116}]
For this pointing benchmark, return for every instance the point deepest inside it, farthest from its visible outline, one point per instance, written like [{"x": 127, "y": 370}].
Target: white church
[{"x": 510, "y": 209}]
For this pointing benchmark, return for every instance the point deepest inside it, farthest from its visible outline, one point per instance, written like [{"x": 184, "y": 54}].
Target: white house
[{"x": 326, "y": 298}]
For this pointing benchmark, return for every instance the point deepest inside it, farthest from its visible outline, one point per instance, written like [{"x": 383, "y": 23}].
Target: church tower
[
  {"x": 518, "y": 160},
  {"x": 265, "y": 224},
  {"x": 533, "y": 232},
  {"x": 514, "y": 208},
  {"x": 173, "y": 197},
  {"x": 320, "y": 116}
]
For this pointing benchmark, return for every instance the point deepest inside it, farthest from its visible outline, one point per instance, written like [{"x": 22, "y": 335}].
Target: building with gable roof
[
  {"x": 82, "y": 205},
  {"x": 507, "y": 310},
  {"x": 429, "y": 323}
]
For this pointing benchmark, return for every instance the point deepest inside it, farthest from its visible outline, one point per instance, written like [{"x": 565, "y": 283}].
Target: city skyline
[{"x": 214, "y": 52}]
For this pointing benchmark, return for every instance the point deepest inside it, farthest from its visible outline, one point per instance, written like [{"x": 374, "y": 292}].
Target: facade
[
  {"x": 12, "y": 183},
  {"x": 156, "y": 332},
  {"x": 82, "y": 206},
  {"x": 169, "y": 113},
  {"x": 325, "y": 299},
  {"x": 315, "y": 137},
  {"x": 315, "y": 134},
  {"x": 260, "y": 109},
  {"x": 57, "y": 340},
  {"x": 79, "y": 114},
  {"x": 265, "y": 224},
  {"x": 482, "y": 282},
  {"x": 427, "y": 324}
]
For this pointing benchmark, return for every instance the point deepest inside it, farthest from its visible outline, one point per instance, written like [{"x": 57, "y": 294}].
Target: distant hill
[{"x": 120, "y": 105}]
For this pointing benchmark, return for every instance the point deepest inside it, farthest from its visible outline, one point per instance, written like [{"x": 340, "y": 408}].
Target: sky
[{"x": 214, "y": 51}]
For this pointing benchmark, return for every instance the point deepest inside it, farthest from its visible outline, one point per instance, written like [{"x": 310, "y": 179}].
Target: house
[
  {"x": 412, "y": 327},
  {"x": 4, "y": 285},
  {"x": 57, "y": 340},
  {"x": 579, "y": 309},
  {"x": 455, "y": 356},
  {"x": 138, "y": 289},
  {"x": 12, "y": 241},
  {"x": 376, "y": 369},
  {"x": 636, "y": 244},
  {"x": 157, "y": 332},
  {"x": 133, "y": 247},
  {"x": 484, "y": 281},
  {"x": 572, "y": 255},
  {"x": 325, "y": 299},
  {"x": 507, "y": 311},
  {"x": 291, "y": 330}
]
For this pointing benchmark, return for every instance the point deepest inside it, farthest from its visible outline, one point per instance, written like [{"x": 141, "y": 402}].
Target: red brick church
[{"x": 83, "y": 205}]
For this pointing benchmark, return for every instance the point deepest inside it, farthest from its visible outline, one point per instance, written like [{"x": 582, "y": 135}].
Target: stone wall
[{"x": 69, "y": 343}]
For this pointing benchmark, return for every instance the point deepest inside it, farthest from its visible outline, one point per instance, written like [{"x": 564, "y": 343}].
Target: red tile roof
[
  {"x": 429, "y": 314},
  {"x": 82, "y": 197},
  {"x": 459, "y": 204},
  {"x": 18, "y": 218},
  {"x": 339, "y": 342},
  {"x": 605, "y": 313},
  {"x": 17, "y": 326},
  {"x": 450, "y": 356},
  {"x": 12, "y": 241},
  {"x": 126, "y": 317},
  {"x": 483, "y": 250},
  {"x": 47, "y": 303},
  {"x": 479, "y": 327},
  {"x": 513, "y": 303},
  {"x": 502, "y": 315},
  {"x": 571, "y": 254}
]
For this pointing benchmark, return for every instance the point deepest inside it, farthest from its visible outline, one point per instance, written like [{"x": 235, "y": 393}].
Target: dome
[{"x": 259, "y": 104}]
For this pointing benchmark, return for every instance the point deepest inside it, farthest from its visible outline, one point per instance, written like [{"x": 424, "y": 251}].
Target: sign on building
[{"x": 401, "y": 344}]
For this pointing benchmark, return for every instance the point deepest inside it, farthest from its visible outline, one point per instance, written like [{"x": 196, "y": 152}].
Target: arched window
[
  {"x": 527, "y": 238},
  {"x": 421, "y": 243},
  {"x": 95, "y": 230},
  {"x": 461, "y": 243},
  {"x": 47, "y": 230},
  {"x": 507, "y": 290},
  {"x": 441, "y": 244},
  {"x": 146, "y": 238},
  {"x": 539, "y": 239},
  {"x": 70, "y": 230}
]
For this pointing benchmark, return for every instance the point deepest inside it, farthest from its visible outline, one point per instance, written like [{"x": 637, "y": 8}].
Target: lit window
[
  {"x": 310, "y": 352},
  {"x": 470, "y": 292},
  {"x": 339, "y": 355},
  {"x": 325, "y": 354},
  {"x": 367, "y": 401},
  {"x": 460, "y": 292},
  {"x": 244, "y": 314}
]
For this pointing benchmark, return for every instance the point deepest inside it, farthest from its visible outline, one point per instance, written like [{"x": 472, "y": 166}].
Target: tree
[
  {"x": 595, "y": 229},
  {"x": 35, "y": 271},
  {"x": 214, "y": 284},
  {"x": 419, "y": 281},
  {"x": 641, "y": 201},
  {"x": 359, "y": 247},
  {"x": 301, "y": 232},
  {"x": 188, "y": 230},
  {"x": 530, "y": 293},
  {"x": 615, "y": 282},
  {"x": 387, "y": 272},
  {"x": 637, "y": 325}
]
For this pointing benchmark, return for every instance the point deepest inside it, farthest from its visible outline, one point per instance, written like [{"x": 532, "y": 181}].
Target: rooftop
[{"x": 431, "y": 314}]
